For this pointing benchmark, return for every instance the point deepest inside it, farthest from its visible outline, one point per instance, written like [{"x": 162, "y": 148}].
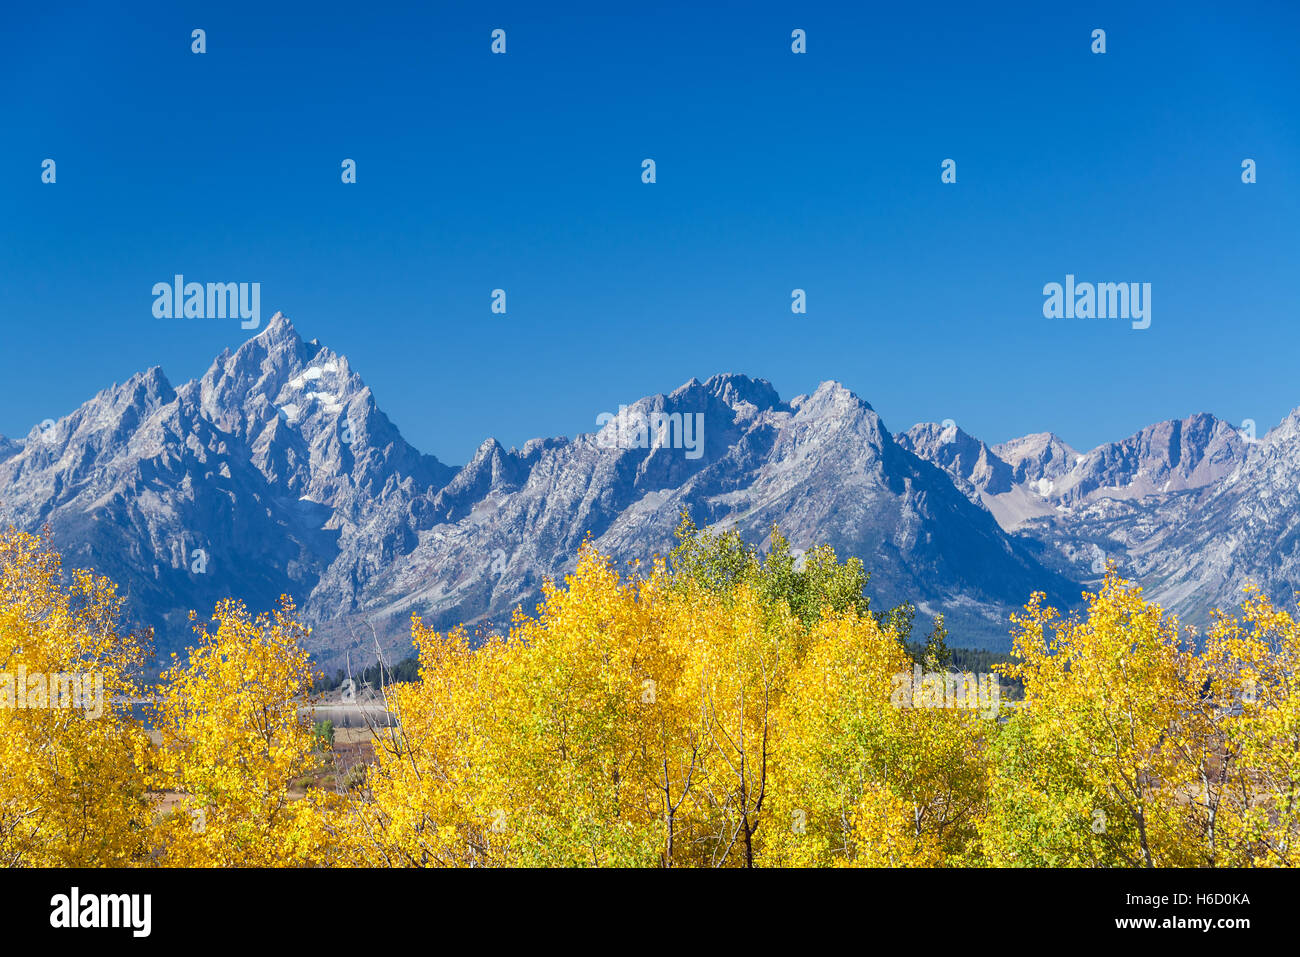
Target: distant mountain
[
  {"x": 276, "y": 472},
  {"x": 1188, "y": 507},
  {"x": 1195, "y": 517},
  {"x": 966, "y": 458},
  {"x": 984, "y": 477},
  {"x": 1166, "y": 457},
  {"x": 139, "y": 485},
  {"x": 1243, "y": 526},
  {"x": 823, "y": 467},
  {"x": 1037, "y": 460}
]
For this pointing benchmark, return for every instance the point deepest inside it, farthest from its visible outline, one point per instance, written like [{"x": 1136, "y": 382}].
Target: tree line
[{"x": 723, "y": 707}]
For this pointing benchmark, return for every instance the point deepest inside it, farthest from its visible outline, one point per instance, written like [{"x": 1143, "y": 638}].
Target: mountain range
[{"x": 277, "y": 472}]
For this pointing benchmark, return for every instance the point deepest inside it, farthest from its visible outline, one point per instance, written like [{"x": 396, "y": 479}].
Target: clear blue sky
[{"x": 775, "y": 171}]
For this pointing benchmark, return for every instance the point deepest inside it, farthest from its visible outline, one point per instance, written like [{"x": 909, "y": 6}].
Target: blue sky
[{"x": 775, "y": 171}]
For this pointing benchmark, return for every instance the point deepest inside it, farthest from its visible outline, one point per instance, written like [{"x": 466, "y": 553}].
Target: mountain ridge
[{"x": 277, "y": 471}]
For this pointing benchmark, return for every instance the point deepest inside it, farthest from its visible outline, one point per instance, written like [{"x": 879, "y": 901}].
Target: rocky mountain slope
[
  {"x": 276, "y": 472},
  {"x": 1190, "y": 508},
  {"x": 822, "y": 466}
]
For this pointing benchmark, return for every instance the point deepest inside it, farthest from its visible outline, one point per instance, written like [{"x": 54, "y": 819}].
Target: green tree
[{"x": 720, "y": 562}]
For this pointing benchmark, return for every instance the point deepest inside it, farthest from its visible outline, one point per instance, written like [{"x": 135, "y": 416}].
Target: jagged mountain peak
[
  {"x": 830, "y": 395},
  {"x": 488, "y": 448},
  {"x": 941, "y": 434},
  {"x": 149, "y": 386},
  {"x": 1287, "y": 430},
  {"x": 738, "y": 391},
  {"x": 494, "y": 461},
  {"x": 281, "y": 465},
  {"x": 1033, "y": 442},
  {"x": 1173, "y": 455},
  {"x": 312, "y": 423},
  {"x": 960, "y": 454},
  {"x": 111, "y": 416},
  {"x": 833, "y": 413},
  {"x": 1272, "y": 460},
  {"x": 1038, "y": 459},
  {"x": 278, "y": 328},
  {"x": 706, "y": 416},
  {"x": 822, "y": 466}
]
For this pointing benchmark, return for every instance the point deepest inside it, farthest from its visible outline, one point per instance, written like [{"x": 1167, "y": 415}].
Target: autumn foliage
[{"x": 721, "y": 708}]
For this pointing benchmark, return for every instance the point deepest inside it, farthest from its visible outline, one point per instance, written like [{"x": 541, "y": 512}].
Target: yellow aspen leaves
[
  {"x": 72, "y": 793},
  {"x": 718, "y": 708},
  {"x": 233, "y": 742}
]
